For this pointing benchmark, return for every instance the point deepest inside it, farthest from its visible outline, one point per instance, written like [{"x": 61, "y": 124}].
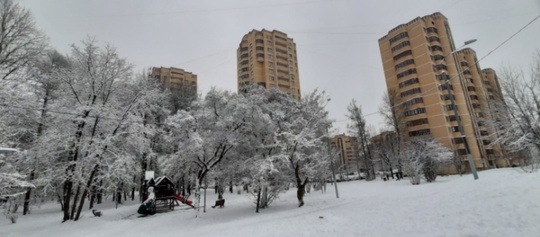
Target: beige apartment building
[
  {"x": 414, "y": 56},
  {"x": 268, "y": 59},
  {"x": 348, "y": 153},
  {"x": 182, "y": 84}
]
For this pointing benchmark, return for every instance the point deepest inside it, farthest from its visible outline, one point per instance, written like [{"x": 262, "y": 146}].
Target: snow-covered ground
[{"x": 503, "y": 202}]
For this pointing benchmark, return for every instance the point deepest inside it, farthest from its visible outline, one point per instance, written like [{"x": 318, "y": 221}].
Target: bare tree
[
  {"x": 392, "y": 112},
  {"x": 20, "y": 41},
  {"x": 358, "y": 128},
  {"x": 520, "y": 131}
]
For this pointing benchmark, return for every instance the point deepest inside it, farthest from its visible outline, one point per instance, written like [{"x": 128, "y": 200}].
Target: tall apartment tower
[
  {"x": 349, "y": 155},
  {"x": 414, "y": 56},
  {"x": 182, "y": 84},
  {"x": 268, "y": 59}
]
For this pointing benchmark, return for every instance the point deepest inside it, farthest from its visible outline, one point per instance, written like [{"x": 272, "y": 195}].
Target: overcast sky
[{"x": 337, "y": 40}]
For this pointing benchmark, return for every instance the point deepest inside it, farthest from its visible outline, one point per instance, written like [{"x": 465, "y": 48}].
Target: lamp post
[
  {"x": 458, "y": 119},
  {"x": 331, "y": 161}
]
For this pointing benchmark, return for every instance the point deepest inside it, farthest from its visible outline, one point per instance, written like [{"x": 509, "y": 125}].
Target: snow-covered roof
[{"x": 158, "y": 180}]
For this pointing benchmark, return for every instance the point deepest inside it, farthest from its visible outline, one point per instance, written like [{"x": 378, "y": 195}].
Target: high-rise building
[
  {"x": 175, "y": 78},
  {"x": 348, "y": 153},
  {"x": 182, "y": 84},
  {"x": 268, "y": 59},
  {"x": 417, "y": 59}
]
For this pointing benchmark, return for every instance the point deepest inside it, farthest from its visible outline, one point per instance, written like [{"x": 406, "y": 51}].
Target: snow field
[{"x": 503, "y": 202}]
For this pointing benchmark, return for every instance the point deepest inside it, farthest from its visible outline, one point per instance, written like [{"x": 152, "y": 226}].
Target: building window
[
  {"x": 435, "y": 48},
  {"x": 401, "y": 45},
  {"x": 270, "y": 64},
  {"x": 259, "y": 48},
  {"x": 270, "y": 49},
  {"x": 446, "y": 97},
  {"x": 408, "y": 82},
  {"x": 461, "y": 152},
  {"x": 406, "y": 73},
  {"x": 431, "y": 30},
  {"x": 469, "y": 80},
  {"x": 404, "y": 63},
  {"x": 445, "y": 86},
  {"x": 271, "y": 71},
  {"x": 259, "y": 41},
  {"x": 421, "y": 132},
  {"x": 402, "y": 54},
  {"x": 416, "y": 111},
  {"x": 476, "y": 106},
  {"x": 467, "y": 72},
  {"x": 414, "y": 101},
  {"x": 260, "y": 55},
  {"x": 458, "y": 140},
  {"x": 450, "y": 118},
  {"x": 440, "y": 77},
  {"x": 417, "y": 122},
  {"x": 439, "y": 67},
  {"x": 471, "y": 88},
  {"x": 410, "y": 92},
  {"x": 272, "y": 78},
  {"x": 433, "y": 38},
  {"x": 399, "y": 36},
  {"x": 449, "y": 107},
  {"x": 437, "y": 57},
  {"x": 291, "y": 76},
  {"x": 453, "y": 129}
]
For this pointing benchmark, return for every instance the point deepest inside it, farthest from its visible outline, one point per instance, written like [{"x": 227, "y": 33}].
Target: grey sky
[{"x": 336, "y": 39}]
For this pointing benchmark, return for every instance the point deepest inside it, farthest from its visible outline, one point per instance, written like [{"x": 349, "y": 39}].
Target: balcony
[
  {"x": 282, "y": 56},
  {"x": 282, "y": 63},
  {"x": 281, "y": 42},
  {"x": 281, "y": 50},
  {"x": 282, "y": 69}
]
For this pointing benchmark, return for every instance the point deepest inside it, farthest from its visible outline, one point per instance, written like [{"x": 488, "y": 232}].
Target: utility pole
[
  {"x": 331, "y": 163},
  {"x": 460, "y": 126}
]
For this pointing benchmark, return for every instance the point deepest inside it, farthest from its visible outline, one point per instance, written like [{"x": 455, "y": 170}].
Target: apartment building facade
[
  {"x": 268, "y": 59},
  {"x": 348, "y": 153},
  {"x": 418, "y": 58},
  {"x": 181, "y": 83}
]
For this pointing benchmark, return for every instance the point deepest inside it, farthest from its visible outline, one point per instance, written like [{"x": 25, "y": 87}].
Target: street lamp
[{"x": 458, "y": 119}]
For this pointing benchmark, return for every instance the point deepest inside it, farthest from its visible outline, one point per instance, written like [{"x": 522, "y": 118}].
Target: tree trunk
[
  {"x": 74, "y": 207},
  {"x": 26, "y": 206},
  {"x": 99, "y": 194},
  {"x": 258, "y": 200},
  {"x": 67, "y": 198},
  {"x": 300, "y": 185}
]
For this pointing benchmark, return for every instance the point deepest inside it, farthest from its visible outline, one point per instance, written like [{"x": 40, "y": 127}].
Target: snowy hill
[{"x": 503, "y": 202}]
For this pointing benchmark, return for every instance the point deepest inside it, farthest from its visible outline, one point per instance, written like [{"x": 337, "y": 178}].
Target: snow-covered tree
[
  {"x": 520, "y": 131},
  {"x": 392, "y": 112},
  {"x": 422, "y": 157},
  {"x": 20, "y": 41},
  {"x": 386, "y": 148},
  {"x": 358, "y": 128},
  {"x": 205, "y": 135}
]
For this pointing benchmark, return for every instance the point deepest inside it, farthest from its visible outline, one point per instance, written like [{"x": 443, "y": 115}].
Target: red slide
[{"x": 182, "y": 199}]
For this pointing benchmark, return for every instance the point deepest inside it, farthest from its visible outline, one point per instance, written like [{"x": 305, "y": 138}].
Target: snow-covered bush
[{"x": 422, "y": 157}]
